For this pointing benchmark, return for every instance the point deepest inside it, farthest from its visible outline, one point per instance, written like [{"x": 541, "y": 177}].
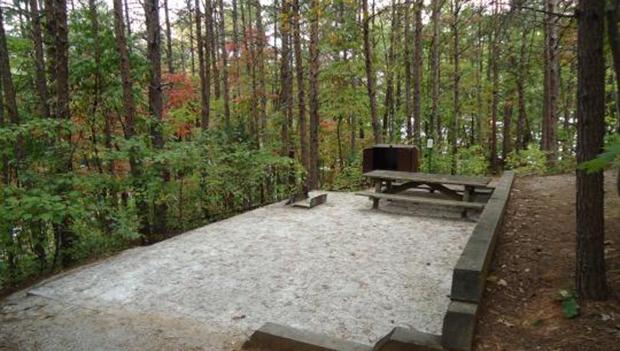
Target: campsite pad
[{"x": 341, "y": 269}]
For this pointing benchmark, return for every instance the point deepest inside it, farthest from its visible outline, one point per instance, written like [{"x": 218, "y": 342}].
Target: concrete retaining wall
[{"x": 471, "y": 270}]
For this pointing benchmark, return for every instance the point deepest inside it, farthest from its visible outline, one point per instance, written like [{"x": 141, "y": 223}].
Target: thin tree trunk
[
  {"x": 506, "y": 140},
  {"x": 210, "y": 42},
  {"x": 417, "y": 72},
  {"x": 370, "y": 74},
  {"x": 260, "y": 41},
  {"x": 50, "y": 25},
  {"x": 591, "y": 281},
  {"x": 151, "y": 9},
  {"x": 313, "y": 77},
  {"x": 168, "y": 39},
  {"x": 408, "y": 74},
  {"x": 456, "y": 79},
  {"x": 39, "y": 61},
  {"x": 388, "y": 113},
  {"x": 190, "y": 17},
  {"x": 10, "y": 99},
  {"x": 299, "y": 68},
  {"x": 285, "y": 78},
  {"x": 224, "y": 54},
  {"x": 495, "y": 52},
  {"x": 551, "y": 83},
  {"x": 236, "y": 46},
  {"x": 202, "y": 71},
  {"x": 128, "y": 24},
  {"x": 66, "y": 237},
  {"x": 434, "y": 120},
  {"x": 522, "y": 137}
]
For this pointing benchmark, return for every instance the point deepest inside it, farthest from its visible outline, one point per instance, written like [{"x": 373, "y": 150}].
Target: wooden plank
[
  {"x": 421, "y": 200},
  {"x": 429, "y": 178}
]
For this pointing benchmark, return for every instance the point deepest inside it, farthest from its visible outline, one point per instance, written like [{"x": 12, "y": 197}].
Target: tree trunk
[
  {"x": 168, "y": 39},
  {"x": 313, "y": 77},
  {"x": 128, "y": 23},
  {"x": 407, "y": 71},
  {"x": 210, "y": 40},
  {"x": 456, "y": 79},
  {"x": 190, "y": 17},
  {"x": 299, "y": 68},
  {"x": 370, "y": 74},
  {"x": 202, "y": 71},
  {"x": 236, "y": 46},
  {"x": 506, "y": 141},
  {"x": 522, "y": 133},
  {"x": 39, "y": 61},
  {"x": 495, "y": 52},
  {"x": 388, "y": 113},
  {"x": 417, "y": 71},
  {"x": 434, "y": 121},
  {"x": 10, "y": 100},
  {"x": 551, "y": 83},
  {"x": 590, "y": 275},
  {"x": 151, "y": 9},
  {"x": 285, "y": 78},
  {"x": 224, "y": 54}
]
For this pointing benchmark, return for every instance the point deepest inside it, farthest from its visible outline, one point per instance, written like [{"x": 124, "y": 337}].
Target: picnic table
[{"x": 388, "y": 184}]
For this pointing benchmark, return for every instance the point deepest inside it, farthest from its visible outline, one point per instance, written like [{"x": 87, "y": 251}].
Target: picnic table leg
[
  {"x": 375, "y": 201},
  {"x": 467, "y": 197}
]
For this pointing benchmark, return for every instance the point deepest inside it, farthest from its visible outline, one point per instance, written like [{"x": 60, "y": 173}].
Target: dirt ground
[{"x": 534, "y": 260}]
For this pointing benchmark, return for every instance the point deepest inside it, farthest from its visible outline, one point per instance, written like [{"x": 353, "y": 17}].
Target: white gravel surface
[{"x": 341, "y": 269}]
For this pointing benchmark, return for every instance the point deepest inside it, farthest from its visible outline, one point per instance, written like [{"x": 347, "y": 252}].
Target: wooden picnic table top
[{"x": 429, "y": 178}]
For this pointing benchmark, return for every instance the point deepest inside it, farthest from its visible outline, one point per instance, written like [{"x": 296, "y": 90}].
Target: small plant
[
  {"x": 530, "y": 161},
  {"x": 570, "y": 307}
]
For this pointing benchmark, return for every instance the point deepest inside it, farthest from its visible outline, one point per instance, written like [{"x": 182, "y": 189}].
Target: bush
[{"x": 530, "y": 161}]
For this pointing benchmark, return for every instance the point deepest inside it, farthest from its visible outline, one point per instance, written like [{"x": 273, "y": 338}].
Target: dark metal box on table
[{"x": 393, "y": 157}]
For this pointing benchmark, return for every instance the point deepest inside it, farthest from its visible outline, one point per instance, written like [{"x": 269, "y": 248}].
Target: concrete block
[
  {"x": 276, "y": 337},
  {"x": 470, "y": 271},
  {"x": 403, "y": 339},
  {"x": 459, "y": 326}
]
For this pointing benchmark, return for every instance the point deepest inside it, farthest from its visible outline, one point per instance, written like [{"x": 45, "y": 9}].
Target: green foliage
[
  {"x": 529, "y": 161},
  {"x": 350, "y": 178},
  {"x": 570, "y": 307},
  {"x": 610, "y": 157},
  {"x": 472, "y": 161}
]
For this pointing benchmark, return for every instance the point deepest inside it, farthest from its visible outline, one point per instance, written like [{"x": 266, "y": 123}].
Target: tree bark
[
  {"x": 495, "y": 53},
  {"x": 313, "y": 76},
  {"x": 10, "y": 100},
  {"x": 590, "y": 274},
  {"x": 370, "y": 74},
  {"x": 39, "y": 61},
  {"x": 408, "y": 73},
  {"x": 210, "y": 42},
  {"x": 202, "y": 71},
  {"x": 190, "y": 17},
  {"x": 551, "y": 83},
  {"x": 299, "y": 68},
  {"x": 169, "y": 59},
  {"x": 285, "y": 100},
  {"x": 456, "y": 79},
  {"x": 224, "y": 55},
  {"x": 417, "y": 71},
  {"x": 153, "y": 40},
  {"x": 434, "y": 121}
]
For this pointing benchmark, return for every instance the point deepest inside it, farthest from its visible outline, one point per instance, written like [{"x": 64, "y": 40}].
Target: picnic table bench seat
[{"x": 422, "y": 200}]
